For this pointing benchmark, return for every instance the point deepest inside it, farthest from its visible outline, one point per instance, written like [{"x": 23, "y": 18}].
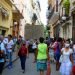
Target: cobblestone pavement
[{"x": 30, "y": 68}]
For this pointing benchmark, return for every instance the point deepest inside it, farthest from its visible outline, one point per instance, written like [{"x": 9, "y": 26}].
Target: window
[{"x": 3, "y": 32}]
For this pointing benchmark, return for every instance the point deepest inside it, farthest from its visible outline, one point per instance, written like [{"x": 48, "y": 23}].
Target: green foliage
[{"x": 66, "y": 5}]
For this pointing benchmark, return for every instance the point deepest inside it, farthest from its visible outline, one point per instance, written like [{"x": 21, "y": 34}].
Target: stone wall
[{"x": 34, "y": 31}]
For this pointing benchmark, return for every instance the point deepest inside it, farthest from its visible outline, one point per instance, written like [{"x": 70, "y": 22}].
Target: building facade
[
  {"x": 52, "y": 16},
  {"x": 36, "y": 12},
  {"x": 5, "y": 17},
  {"x": 17, "y": 11},
  {"x": 64, "y": 21},
  {"x": 30, "y": 11},
  {"x": 73, "y": 19}
]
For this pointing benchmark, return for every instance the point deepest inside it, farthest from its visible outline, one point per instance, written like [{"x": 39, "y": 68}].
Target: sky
[{"x": 43, "y": 4}]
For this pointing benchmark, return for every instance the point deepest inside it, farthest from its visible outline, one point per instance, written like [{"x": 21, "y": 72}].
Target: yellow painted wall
[{"x": 7, "y": 22}]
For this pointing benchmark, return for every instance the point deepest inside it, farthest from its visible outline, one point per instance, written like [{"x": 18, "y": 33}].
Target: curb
[{"x": 12, "y": 62}]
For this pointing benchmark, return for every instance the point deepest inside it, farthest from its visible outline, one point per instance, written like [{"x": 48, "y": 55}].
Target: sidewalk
[{"x": 14, "y": 58}]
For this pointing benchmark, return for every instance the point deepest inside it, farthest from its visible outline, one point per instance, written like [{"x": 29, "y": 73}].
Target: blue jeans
[
  {"x": 9, "y": 54},
  {"x": 1, "y": 67},
  {"x": 23, "y": 60}
]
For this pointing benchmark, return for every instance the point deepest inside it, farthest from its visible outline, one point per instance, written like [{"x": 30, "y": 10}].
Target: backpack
[{"x": 22, "y": 51}]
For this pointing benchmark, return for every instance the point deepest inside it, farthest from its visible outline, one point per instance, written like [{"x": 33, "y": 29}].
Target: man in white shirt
[
  {"x": 5, "y": 41},
  {"x": 9, "y": 50},
  {"x": 2, "y": 50}
]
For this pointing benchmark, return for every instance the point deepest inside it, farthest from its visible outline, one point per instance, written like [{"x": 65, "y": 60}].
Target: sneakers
[{"x": 23, "y": 71}]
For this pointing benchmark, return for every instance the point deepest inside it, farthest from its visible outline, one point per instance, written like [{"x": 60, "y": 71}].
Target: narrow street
[{"x": 30, "y": 68}]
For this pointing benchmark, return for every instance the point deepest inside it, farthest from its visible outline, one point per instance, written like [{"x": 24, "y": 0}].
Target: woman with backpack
[{"x": 23, "y": 52}]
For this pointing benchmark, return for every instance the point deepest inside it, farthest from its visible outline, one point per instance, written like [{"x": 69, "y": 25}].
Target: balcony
[
  {"x": 16, "y": 13},
  {"x": 52, "y": 15},
  {"x": 50, "y": 12}
]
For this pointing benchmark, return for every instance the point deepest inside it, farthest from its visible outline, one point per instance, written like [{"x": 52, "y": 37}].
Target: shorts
[
  {"x": 41, "y": 65},
  {"x": 57, "y": 56}
]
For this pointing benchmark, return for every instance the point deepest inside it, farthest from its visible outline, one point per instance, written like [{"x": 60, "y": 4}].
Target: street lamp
[{"x": 63, "y": 18}]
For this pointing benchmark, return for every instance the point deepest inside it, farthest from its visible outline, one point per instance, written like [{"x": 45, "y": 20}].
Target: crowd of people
[
  {"x": 60, "y": 50},
  {"x": 7, "y": 47},
  {"x": 57, "y": 50}
]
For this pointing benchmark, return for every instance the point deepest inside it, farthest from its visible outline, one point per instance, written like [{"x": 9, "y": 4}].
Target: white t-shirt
[
  {"x": 34, "y": 46},
  {"x": 5, "y": 41},
  {"x": 10, "y": 45},
  {"x": 66, "y": 55}
]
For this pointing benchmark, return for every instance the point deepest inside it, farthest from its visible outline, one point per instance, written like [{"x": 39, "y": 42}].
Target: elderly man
[{"x": 2, "y": 52}]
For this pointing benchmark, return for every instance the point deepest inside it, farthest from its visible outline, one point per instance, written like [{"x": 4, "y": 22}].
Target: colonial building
[
  {"x": 36, "y": 12},
  {"x": 73, "y": 19},
  {"x": 5, "y": 17},
  {"x": 64, "y": 21},
  {"x": 52, "y": 16},
  {"x": 17, "y": 16}
]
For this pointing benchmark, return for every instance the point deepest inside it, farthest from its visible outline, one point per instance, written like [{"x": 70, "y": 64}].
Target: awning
[{"x": 54, "y": 18}]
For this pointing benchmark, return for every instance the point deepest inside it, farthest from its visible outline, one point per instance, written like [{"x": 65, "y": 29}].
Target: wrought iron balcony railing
[{"x": 50, "y": 13}]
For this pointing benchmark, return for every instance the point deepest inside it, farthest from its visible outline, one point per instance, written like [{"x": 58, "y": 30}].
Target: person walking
[
  {"x": 34, "y": 47},
  {"x": 18, "y": 44},
  {"x": 67, "y": 60},
  {"x": 42, "y": 56},
  {"x": 57, "y": 51},
  {"x": 2, "y": 53},
  {"x": 23, "y": 53},
  {"x": 9, "y": 51}
]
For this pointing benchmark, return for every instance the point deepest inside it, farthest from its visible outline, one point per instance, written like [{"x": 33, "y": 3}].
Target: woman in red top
[{"x": 23, "y": 52}]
